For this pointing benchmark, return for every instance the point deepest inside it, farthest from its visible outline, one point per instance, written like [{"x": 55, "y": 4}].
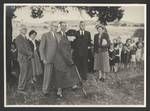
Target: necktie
[
  {"x": 82, "y": 33},
  {"x": 63, "y": 34},
  {"x": 26, "y": 38},
  {"x": 99, "y": 39}
]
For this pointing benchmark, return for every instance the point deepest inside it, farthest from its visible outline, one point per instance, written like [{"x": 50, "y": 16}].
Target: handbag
[{"x": 104, "y": 42}]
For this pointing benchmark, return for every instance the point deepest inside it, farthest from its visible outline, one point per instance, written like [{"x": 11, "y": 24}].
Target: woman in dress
[
  {"x": 101, "y": 45},
  {"x": 36, "y": 64}
]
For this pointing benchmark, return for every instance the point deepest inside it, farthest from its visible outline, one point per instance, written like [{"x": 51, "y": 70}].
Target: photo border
[{"x": 70, "y": 106}]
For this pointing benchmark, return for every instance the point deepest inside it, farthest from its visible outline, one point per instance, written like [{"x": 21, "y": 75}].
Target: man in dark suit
[
  {"x": 81, "y": 45},
  {"x": 47, "y": 49},
  {"x": 24, "y": 58}
]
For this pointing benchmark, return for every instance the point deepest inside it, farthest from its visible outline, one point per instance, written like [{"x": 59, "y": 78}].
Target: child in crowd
[
  {"x": 120, "y": 51},
  {"x": 132, "y": 43},
  {"x": 133, "y": 50},
  {"x": 116, "y": 59},
  {"x": 115, "y": 41},
  {"x": 125, "y": 54},
  {"x": 111, "y": 57},
  {"x": 119, "y": 40},
  {"x": 139, "y": 55}
]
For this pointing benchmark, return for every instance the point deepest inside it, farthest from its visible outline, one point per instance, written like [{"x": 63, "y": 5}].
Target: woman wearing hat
[{"x": 101, "y": 58}]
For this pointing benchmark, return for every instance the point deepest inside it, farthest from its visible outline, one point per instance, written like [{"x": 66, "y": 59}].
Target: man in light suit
[
  {"x": 24, "y": 58},
  {"x": 47, "y": 51}
]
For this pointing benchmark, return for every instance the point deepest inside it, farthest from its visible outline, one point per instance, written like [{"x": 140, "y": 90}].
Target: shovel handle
[{"x": 83, "y": 90}]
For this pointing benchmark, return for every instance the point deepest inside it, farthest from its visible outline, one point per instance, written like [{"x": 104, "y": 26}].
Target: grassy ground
[{"x": 126, "y": 88}]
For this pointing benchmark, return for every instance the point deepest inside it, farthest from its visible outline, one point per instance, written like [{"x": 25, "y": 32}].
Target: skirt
[
  {"x": 133, "y": 58},
  {"x": 125, "y": 58},
  {"x": 36, "y": 64},
  {"x": 116, "y": 59},
  {"x": 101, "y": 61},
  {"x": 138, "y": 56}
]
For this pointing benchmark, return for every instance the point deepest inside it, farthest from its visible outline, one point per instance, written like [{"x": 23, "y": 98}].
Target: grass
[{"x": 128, "y": 89}]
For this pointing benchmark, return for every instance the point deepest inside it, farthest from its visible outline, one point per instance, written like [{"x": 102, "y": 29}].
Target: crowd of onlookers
[
  {"x": 121, "y": 55},
  {"x": 126, "y": 55}
]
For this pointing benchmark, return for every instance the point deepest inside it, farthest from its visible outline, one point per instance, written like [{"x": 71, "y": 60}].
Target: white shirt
[
  {"x": 53, "y": 34},
  {"x": 81, "y": 32},
  {"x": 33, "y": 41},
  {"x": 63, "y": 33}
]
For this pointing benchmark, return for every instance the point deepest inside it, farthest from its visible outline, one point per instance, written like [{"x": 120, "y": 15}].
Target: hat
[
  {"x": 100, "y": 25},
  {"x": 71, "y": 32}
]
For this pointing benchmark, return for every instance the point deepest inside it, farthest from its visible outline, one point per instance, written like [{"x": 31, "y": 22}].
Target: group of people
[
  {"x": 130, "y": 54},
  {"x": 63, "y": 56}
]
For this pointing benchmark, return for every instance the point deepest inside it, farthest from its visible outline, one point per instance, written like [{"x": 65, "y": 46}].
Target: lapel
[
  {"x": 24, "y": 39},
  {"x": 50, "y": 35},
  {"x": 100, "y": 38},
  {"x": 58, "y": 36},
  {"x": 26, "y": 42},
  {"x": 63, "y": 38}
]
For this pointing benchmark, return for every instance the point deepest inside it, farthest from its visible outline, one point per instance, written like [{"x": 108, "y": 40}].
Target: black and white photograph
[{"x": 75, "y": 55}]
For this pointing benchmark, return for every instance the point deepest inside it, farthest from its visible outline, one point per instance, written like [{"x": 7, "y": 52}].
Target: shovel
[{"x": 83, "y": 90}]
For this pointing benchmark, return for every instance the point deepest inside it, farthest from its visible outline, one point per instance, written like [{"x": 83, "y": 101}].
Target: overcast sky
[{"x": 132, "y": 14}]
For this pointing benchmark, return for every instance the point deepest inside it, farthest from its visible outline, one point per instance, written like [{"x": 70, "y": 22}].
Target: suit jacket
[
  {"x": 63, "y": 57},
  {"x": 81, "y": 43},
  {"x": 98, "y": 42},
  {"x": 23, "y": 47},
  {"x": 48, "y": 46}
]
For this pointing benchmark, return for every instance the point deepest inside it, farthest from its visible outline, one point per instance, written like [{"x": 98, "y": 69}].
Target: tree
[
  {"x": 9, "y": 16},
  {"x": 105, "y": 14},
  {"x": 37, "y": 12},
  {"x": 139, "y": 33}
]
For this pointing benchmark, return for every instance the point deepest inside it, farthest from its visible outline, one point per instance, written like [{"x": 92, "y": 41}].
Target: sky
[
  {"x": 134, "y": 14},
  {"x": 131, "y": 14}
]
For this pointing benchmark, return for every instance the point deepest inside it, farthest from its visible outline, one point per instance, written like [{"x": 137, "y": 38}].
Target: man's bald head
[{"x": 54, "y": 26}]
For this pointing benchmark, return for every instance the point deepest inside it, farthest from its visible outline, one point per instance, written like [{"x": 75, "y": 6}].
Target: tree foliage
[
  {"x": 105, "y": 14},
  {"x": 37, "y": 12}
]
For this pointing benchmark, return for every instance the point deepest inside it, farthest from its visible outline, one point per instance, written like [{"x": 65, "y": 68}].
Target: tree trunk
[{"x": 9, "y": 16}]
